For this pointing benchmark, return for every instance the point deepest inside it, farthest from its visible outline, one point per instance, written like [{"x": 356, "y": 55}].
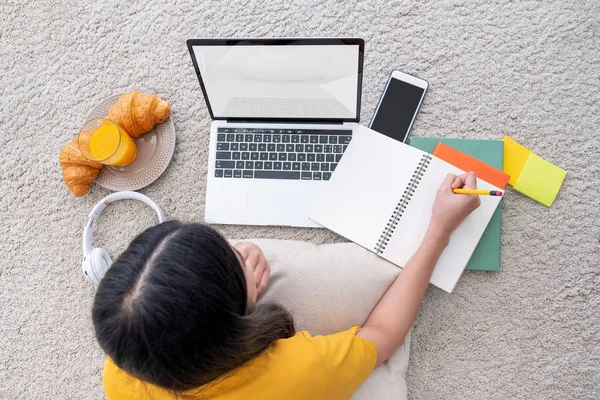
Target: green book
[{"x": 486, "y": 256}]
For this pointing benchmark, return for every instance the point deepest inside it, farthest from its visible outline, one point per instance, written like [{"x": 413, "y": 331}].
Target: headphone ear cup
[
  {"x": 95, "y": 265},
  {"x": 86, "y": 268}
]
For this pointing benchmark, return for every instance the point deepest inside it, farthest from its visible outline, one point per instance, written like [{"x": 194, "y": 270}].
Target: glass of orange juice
[{"x": 103, "y": 141}]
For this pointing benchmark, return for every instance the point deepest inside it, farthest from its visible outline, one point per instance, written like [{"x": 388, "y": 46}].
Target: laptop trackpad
[{"x": 280, "y": 202}]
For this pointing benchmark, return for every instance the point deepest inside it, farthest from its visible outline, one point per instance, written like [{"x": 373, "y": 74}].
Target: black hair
[{"x": 172, "y": 309}]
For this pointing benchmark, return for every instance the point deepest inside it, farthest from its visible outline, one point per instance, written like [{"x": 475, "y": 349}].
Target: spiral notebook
[{"x": 381, "y": 195}]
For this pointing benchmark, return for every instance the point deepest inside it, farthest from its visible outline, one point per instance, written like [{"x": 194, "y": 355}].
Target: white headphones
[{"x": 96, "y": 261}]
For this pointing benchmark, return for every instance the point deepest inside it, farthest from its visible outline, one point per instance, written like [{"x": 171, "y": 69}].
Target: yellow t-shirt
[{"x": 301, "y": 367}]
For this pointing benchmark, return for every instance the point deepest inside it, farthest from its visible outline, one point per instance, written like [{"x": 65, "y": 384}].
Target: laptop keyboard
[{"x": 302, "y": 154}]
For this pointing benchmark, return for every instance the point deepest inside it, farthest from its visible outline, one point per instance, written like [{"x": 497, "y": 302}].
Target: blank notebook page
[
  {"x": 365, "y": 188},
  {"x": 415, "y": 220}
]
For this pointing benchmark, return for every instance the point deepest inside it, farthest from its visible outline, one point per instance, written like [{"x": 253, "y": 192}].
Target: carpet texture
[{"x": 529, "y": 69}]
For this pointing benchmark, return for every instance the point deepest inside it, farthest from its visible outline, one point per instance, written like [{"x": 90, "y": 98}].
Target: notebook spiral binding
[{"x": 402, "y": 204}]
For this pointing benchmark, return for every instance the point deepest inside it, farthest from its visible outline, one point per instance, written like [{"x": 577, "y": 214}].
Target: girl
[{"x": 178, "y": 318}]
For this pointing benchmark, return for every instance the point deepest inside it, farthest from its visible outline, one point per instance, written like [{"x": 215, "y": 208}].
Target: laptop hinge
[{"x": 287, "y": 121}]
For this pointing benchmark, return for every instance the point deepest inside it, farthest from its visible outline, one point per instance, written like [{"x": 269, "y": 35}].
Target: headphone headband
[{"x": 98, "y": 208}]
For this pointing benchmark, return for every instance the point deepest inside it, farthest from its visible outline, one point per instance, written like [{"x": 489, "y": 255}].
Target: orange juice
[{"x": 111, "y": 145}]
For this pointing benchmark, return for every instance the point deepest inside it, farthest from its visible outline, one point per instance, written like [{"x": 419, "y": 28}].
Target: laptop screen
[{"x": 281, "y": 80}]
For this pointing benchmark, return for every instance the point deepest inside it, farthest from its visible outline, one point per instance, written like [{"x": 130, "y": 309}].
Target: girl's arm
[{"x": 393, "y": 316}]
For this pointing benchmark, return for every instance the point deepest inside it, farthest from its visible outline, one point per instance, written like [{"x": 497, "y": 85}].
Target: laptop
[{"x": 283, "y": 111}]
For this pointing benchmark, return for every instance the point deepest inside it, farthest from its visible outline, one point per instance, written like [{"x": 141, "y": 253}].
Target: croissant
[
  {"x": 78, "y": 172},
  {"x": 137, "y": 113}
]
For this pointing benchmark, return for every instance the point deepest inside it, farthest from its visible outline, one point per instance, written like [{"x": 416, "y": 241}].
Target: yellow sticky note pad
[
  {"x": 515, "y": 157},
  {"x": 539, "y": 179}
]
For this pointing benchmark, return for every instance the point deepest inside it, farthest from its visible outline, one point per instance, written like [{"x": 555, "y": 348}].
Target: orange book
[{"x": 468, "y": 163}]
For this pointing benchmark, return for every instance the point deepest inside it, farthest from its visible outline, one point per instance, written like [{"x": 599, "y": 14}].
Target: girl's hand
[
  {"x": 450, "y": 209},
  {"x": 256, "y": 260}
]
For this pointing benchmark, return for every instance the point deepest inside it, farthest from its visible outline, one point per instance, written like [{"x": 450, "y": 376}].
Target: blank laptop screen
[{"x": 279, "y": 81}]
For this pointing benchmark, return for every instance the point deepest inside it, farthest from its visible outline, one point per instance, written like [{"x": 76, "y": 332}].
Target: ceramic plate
[{"x": 154, "y": 152}]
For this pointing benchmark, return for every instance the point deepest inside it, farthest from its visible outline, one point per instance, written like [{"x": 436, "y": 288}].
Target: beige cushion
[{"x": 330, "y": 288}]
